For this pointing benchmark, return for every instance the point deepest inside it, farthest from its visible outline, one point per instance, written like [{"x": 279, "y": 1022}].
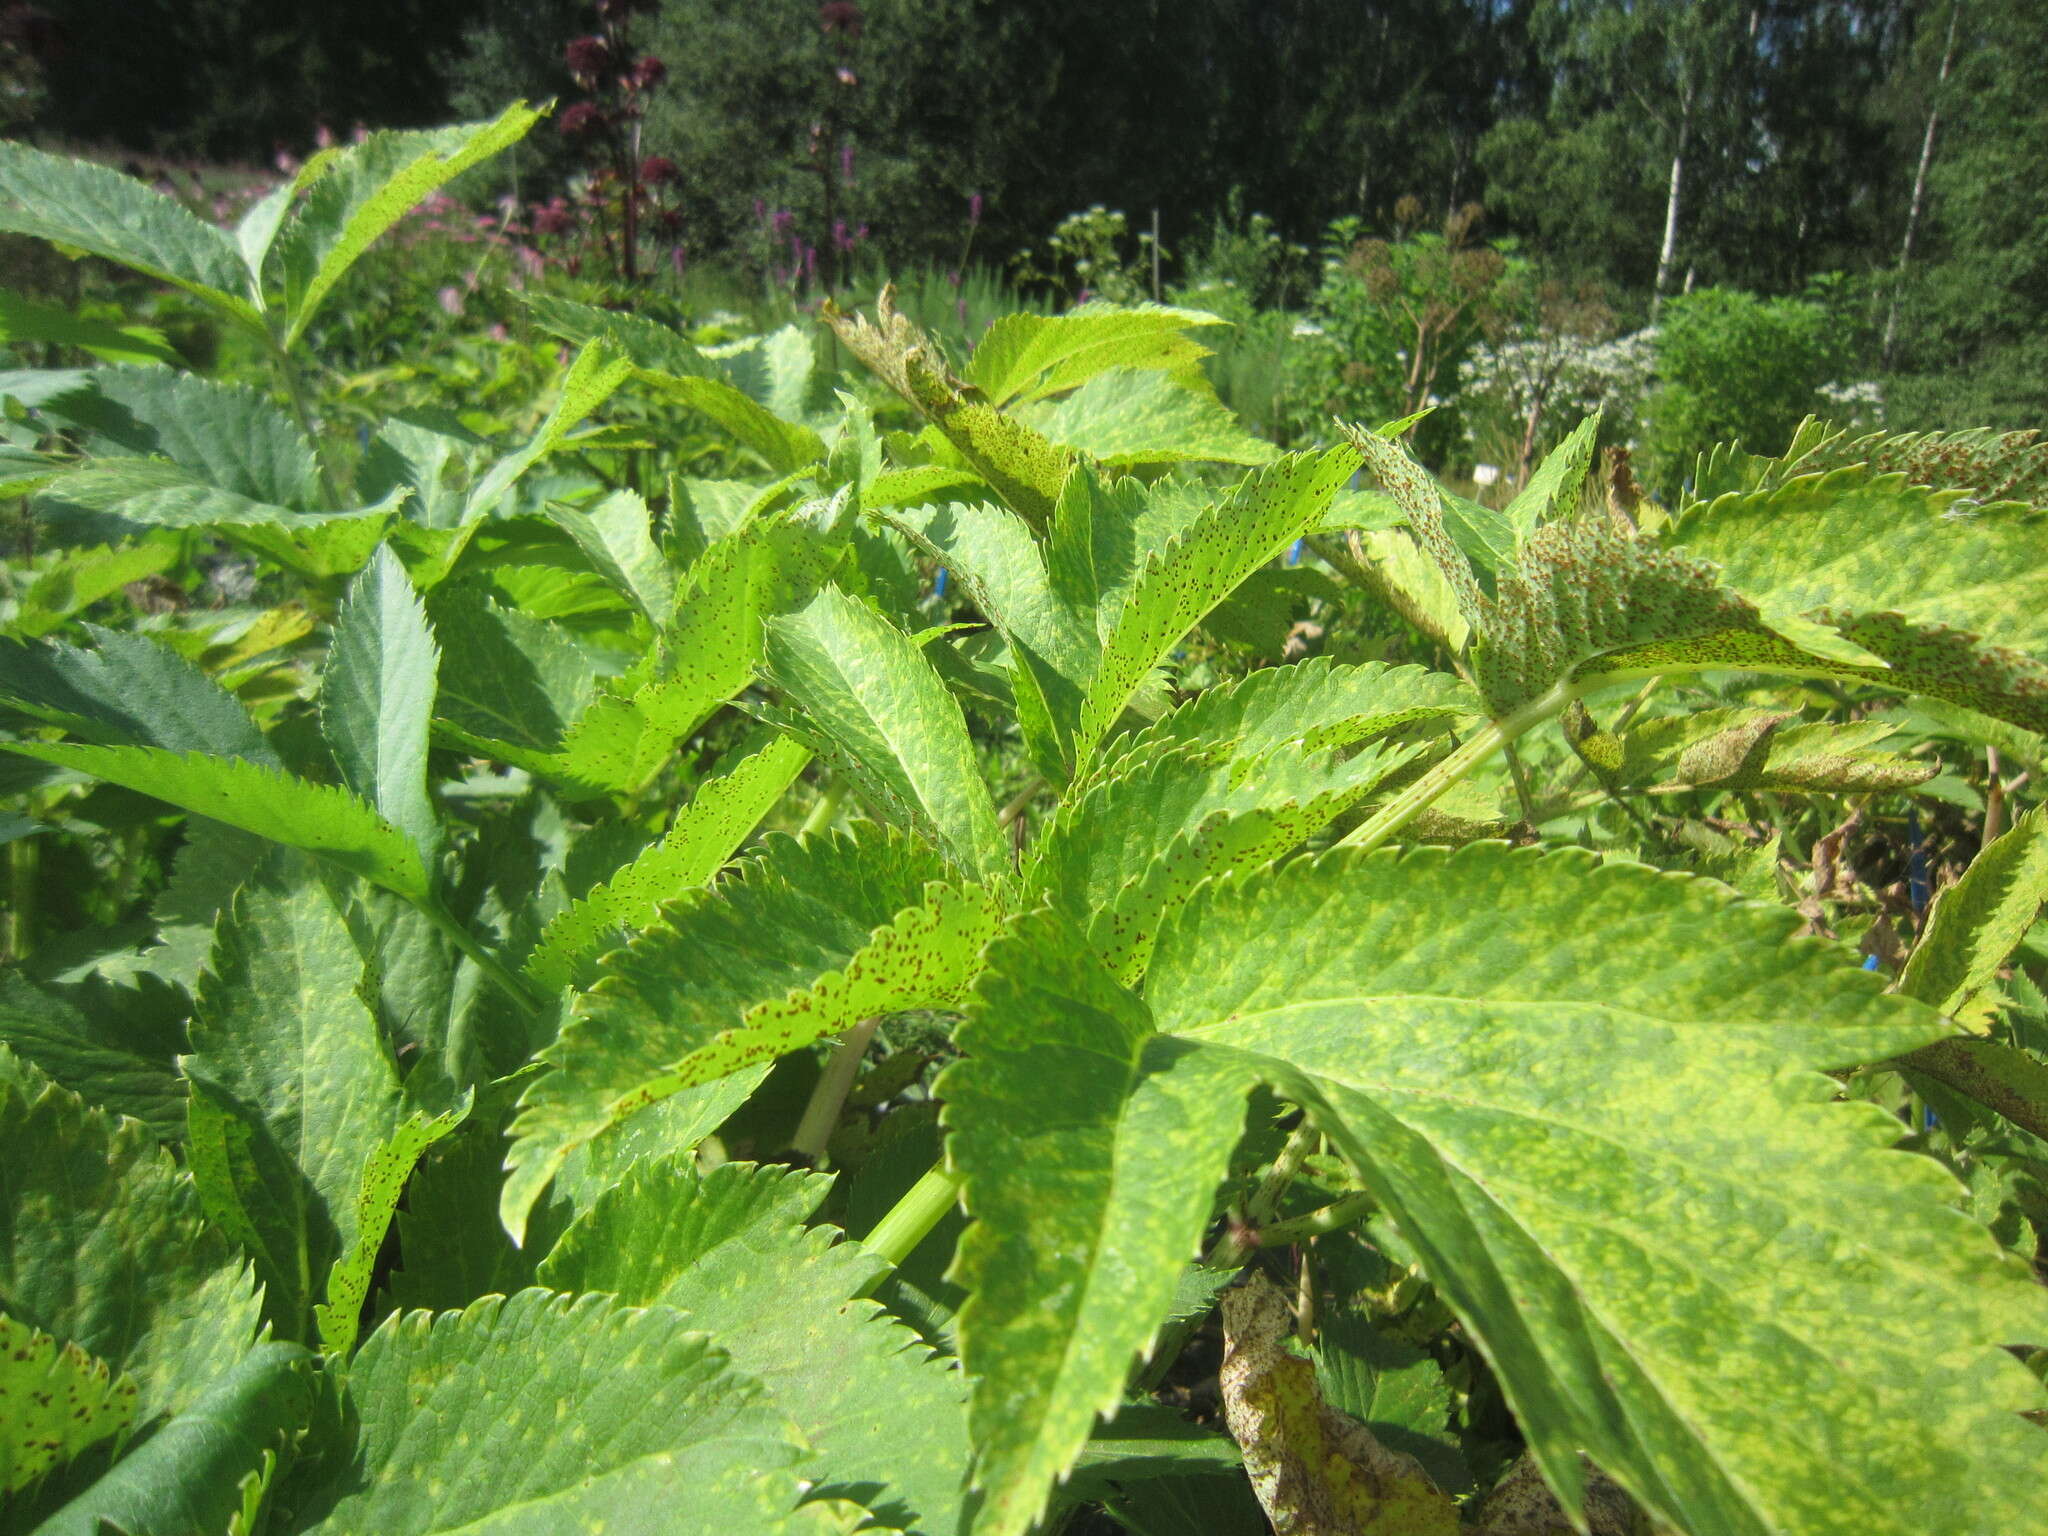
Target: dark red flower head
[
  {"x": 588, "y": 58},
  {"x": 841, "y": 17},
  {"x": 648, "y": 72},
  {"x": 657, "y": 170},
  {"x": 581, "y": 118}
]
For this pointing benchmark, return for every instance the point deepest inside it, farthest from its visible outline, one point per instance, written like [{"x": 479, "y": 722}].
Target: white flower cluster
[
  {"x": 1569, "y": 373},
  {"x": 1855, "y": 405}
]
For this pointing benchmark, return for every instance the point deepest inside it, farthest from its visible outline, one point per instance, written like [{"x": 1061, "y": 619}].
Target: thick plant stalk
[
  {"x": 829, "y": 1097},
  {"x": 1418, "y": 796},
  {"x": 912, "y": 1218}
]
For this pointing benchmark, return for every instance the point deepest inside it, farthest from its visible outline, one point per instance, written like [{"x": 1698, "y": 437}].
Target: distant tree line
[{"x": 1652, "y": 145}]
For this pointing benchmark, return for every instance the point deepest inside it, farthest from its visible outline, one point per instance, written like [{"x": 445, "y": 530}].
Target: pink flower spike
[
  {"x": 451, "y": 299},
  {"x": 846, "y": 163},
  {"x": 974, "y": 208}
]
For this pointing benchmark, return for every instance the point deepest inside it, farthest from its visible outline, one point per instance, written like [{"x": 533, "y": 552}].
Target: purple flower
[
  {"x": 554, "y": 218},
  {"x": 450, "y": 299},
  {"x": 760, "y": 211},
  {"x": 973, "y": 209},
  {"x": 846, "y": 163},
  {"x": 841, "y": 239}
]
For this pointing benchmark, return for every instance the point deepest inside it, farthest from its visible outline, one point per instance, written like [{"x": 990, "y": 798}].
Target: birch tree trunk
[
  {"x": 1919, "y": 201},
  {"x": 1667, "y": 257}
]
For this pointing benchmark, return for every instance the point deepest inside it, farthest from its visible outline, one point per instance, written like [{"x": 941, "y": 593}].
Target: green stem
[
  {"x": 1331, "y": 1218},
  {"x": 912, "y": 1218},
  {"x": 1020, "y": 801},
  {"x": 1400, "y": 810},
  {"x": 302, "y": 412},
  {"x": 1265, "y": 1199},
  {"x": 826, "y": 811},
  {"x": 506, "y": 979},
  {"x": 829, "y": 1097},
  {"x": 17, "y": 924}
]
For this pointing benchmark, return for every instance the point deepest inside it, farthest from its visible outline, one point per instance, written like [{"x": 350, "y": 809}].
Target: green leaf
[
  {"x": 859, "y": 1385},
  {"x": 547, "y": 1413},
  {"x": 362, "y": 190},
  {"x": 617, "y": 536},
  {"x": 1313, "y": 705},
  {"x": 869, "y": 702},
  {"x": 55, "y": 1401},
  {"x": 384, "y": 1175},
  {"x": 293, "y": 1090},
  {"x": 1017, "y": 463},
  {"x": 72, "y": 580},
  {"x": 1745, "y": 749},
  {"x": 1091, "y": 1159},
  {"x": 102, "y": 1245},
  {"x": 1979, "y": 921},
  {"x": 377, "y": 697},
  {"x": 230, "y": 436},
  {"x": 1990, "y": 466},
  {"x": 1132, "y": 416},
  {"x": 1120, "y": 856},
  {"x": 128, "y": 690},
  {"x": 1393, "y": 1389},
  {"x": 119, "y": 498},
  {"x": 89, "y": 1058},
  {"x": 812, "y": 937},
  {"x": 666, "y": 363},
  {"x": 1191, "y": 575},
  {"x": 505, "y": 676},
  {"x": 1026, "y": 357},
  {"x": 598, "y": 370},
  {"x": 101, "y": 211},
  {"x": 1553, "y": 491},
  {"x": 704, "y": 835},
  {"x": 319, "y": 818},
  {"x": 187, "y": 1476},
  {"x": 24, "y": 319},
  {"x": 1556, "y": 1078}
]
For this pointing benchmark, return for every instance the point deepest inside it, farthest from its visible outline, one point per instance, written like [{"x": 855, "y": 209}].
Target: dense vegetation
[
  {"x": 1649, "y": 149},
  {"x": 623, "y": 925}
]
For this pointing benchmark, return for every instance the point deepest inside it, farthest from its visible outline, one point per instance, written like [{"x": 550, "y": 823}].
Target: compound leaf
[
  {"x": 1091, "y": 1159},
  {"x": 361, "y": 190},
  {"x": 542, "y": 1412},
  {"x": 103, "y": 1245},
  {"x": 319, "y": 818},
  {"x": 55, "y": 1400},
  {"x": 1553, "y": 1074},
  {"x": 377, "y": 697},
  {"x": 293, "y": 1091},
  {"x": 811, "y": 938},
  {"x": 859, "y": 1385},
  {"x": 872, "y": 703},
  {"x": 700, "y": 840},
  {"x": 1219, "y": 548},
  {"x": 1978, "y": 922},
  {"x": 188, "y": 1475},
  {"x": 93, "y": 208}
]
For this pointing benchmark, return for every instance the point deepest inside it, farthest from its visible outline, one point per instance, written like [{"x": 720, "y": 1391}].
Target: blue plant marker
[
  {"x": 1294, "y": 553},
  {"x": 1870, "y": 962},
  {"x": 1919, "y": 889},
  {"x": 939, "y": 583}
]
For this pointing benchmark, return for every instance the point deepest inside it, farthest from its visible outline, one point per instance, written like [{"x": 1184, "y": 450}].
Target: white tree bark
[
  {"x": 1667, "y": 257},
  {"x": 1919, "y": 201}
]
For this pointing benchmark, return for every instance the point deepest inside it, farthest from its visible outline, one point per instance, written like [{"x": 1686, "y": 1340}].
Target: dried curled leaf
[{"x": 1316, "y": 1471}]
